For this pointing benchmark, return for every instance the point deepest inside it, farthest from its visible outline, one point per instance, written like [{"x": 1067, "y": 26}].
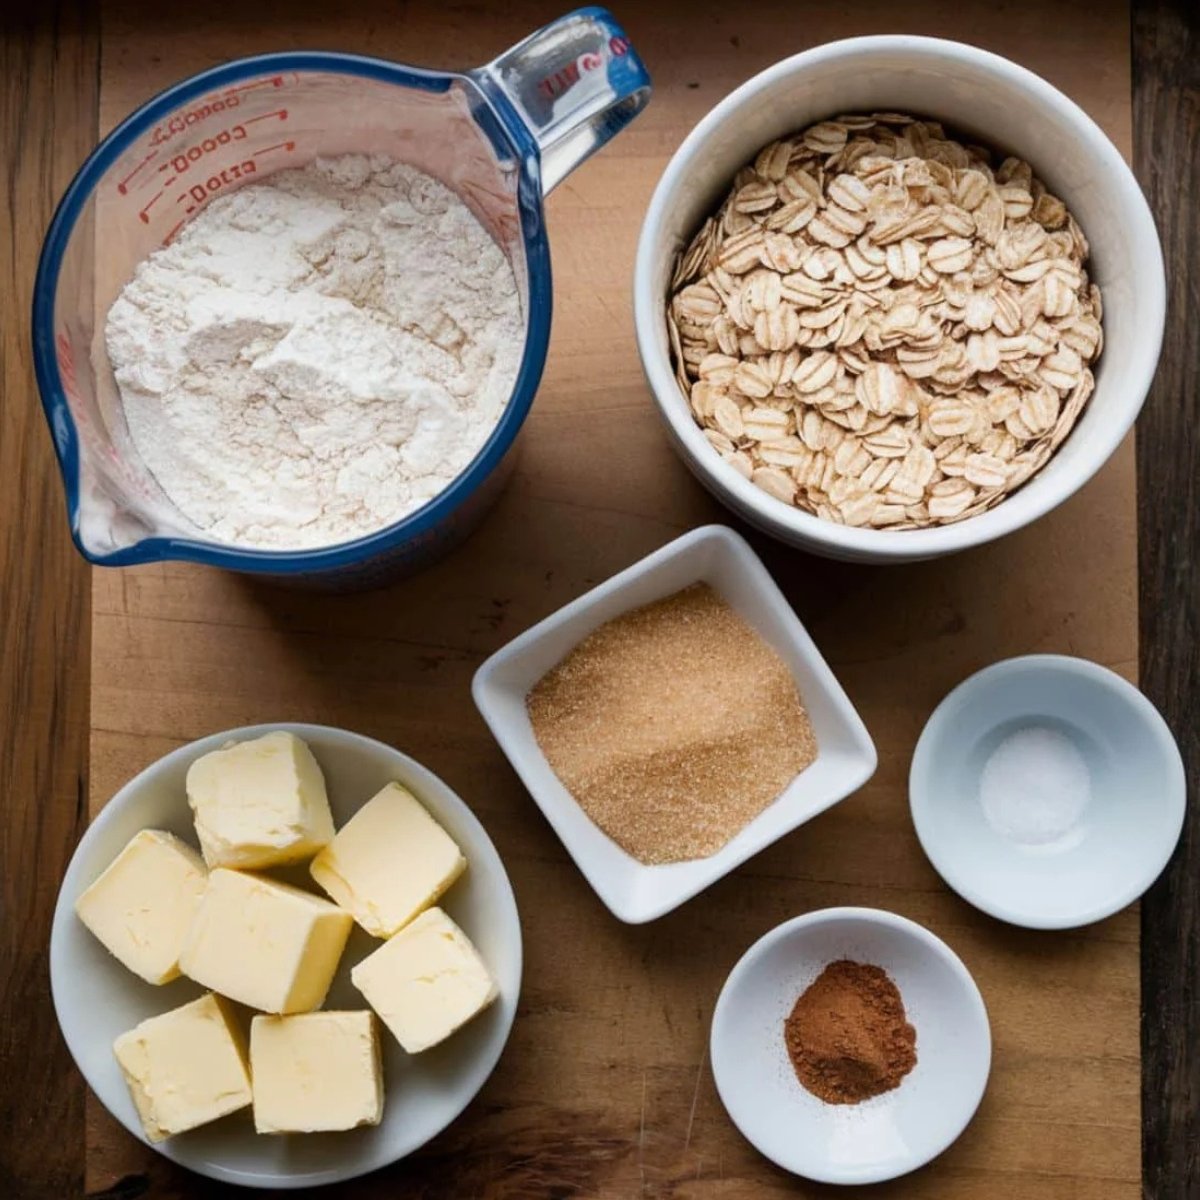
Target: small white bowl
[
  {"x": 96, "y": 998},
  {"x": 888, "y": 1135},
  {"x": 1121, "y": 841},
  {"x": 1003, "y": 105},
  {"x": 715, "y": 555}
]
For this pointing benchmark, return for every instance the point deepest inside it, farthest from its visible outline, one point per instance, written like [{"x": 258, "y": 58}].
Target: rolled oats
[{"x": 881, "y": 327}]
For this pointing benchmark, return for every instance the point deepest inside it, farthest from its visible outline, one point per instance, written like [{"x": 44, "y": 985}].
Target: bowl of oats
[{"x": 896, "y": 297}]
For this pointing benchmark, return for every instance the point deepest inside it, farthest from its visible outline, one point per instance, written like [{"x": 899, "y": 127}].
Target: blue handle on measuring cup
[{"x": 572, "y": 85}]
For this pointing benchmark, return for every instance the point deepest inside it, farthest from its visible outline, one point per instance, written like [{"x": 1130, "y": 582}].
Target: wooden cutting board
[{"x": 605, "y": 1088}]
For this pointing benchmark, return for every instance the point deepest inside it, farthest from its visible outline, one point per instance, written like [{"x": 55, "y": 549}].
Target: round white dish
[
  {"x": 96, "y": 998},
  {"x": 1005, "y": 106},
  {"x": 890, "y": 1134},
  {"x": 1122, "y": 839}
]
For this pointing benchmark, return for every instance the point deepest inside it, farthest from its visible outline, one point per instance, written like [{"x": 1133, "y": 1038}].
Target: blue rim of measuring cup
[{"x": 509, "y": 136}]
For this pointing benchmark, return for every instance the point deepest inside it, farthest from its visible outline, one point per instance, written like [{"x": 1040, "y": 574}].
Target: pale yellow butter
[
  {"x": 426, "y": 981},
  {"x": 389, "y": 862},
  {"x": 315, "y": 1072},
  {"x": 143, "y": 904},
  {"x": 266, "y": 944},
  {"x": 184, "y": 1068},
  {"x": 259, "y": 803}
]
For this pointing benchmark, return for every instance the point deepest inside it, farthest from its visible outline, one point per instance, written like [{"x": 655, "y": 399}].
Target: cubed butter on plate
[
  {"x": 185, "y": 1068},
  {"x": 266, "y": 944},
  {"x": 315, "y": 1072},
  {"x": 425, "y": 981},
  {"x": 389, "y": 862},
  {"x": 259, "y": 803},
  {"x": 142, "y": 906}
]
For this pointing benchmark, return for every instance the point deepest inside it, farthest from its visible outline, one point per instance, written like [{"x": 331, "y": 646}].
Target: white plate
[
  {"x": 1123, "y": 838},
  {"x": 721, "y": 558},
  {"x": 96, "y": 998},
  {"x": 888, "y": 1135}
]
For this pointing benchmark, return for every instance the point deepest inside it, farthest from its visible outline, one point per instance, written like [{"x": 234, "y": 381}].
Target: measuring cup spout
[{"x": 570, "y": 86}]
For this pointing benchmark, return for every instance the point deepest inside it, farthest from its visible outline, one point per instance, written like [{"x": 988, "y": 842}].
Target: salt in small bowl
[{"x": 1103, "y": 855}]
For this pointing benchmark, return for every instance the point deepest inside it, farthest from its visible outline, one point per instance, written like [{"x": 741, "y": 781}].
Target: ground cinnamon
[{"x": 848, "y": 1036}]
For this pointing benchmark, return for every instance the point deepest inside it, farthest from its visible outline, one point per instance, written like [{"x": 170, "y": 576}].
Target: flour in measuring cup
[{"x": 316, "y": 355}]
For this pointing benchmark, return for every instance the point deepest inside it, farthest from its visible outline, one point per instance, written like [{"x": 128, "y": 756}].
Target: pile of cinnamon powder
[
  {"x": 673, "y": 726},
  {"x": 848, "y": 1035}
]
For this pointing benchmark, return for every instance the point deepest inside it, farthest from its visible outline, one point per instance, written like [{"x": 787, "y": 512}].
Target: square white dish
[{"x": 716, "y": 555}]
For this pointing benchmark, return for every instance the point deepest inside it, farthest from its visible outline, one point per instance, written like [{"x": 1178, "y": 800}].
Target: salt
[{"x": 1035, "y": 786}]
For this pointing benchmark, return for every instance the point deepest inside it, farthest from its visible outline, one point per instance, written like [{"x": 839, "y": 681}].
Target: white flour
[{"x": 317, "y": 355}]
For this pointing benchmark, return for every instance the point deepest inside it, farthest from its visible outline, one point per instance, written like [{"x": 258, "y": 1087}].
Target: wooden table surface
[{"x": 604, "y": 1089}]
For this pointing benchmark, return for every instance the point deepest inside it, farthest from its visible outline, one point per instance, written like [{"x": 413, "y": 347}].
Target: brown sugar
[
  {"x": 673, "y": 726},
  {"x": 848, "y": 1035}
]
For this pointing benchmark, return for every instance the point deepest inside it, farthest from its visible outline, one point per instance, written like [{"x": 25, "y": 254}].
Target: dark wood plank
[
  {"x": 49, "y": 88},
  {"x": 1166, "y": 113}
]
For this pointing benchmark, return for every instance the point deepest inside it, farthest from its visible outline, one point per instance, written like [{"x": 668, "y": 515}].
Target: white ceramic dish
[
  {"x": 96, "y": 998},
  {"x": 890, "y": 1134},
  {"x": 718, "y": 556},
  {"x": 1003, "y": 105},
  {"x": 1124, "y": 836}
]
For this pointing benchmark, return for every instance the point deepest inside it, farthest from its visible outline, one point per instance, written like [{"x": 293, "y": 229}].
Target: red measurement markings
[
  {"x": 181, "y": 122},
  {"x": 144, "y": 213},
  {"x": 281, "y": 113},
  {"x": 69, "y": 379},
  {"x": 285, "y": 146},
  {"x": 555, "y": 84},
  {"x": 66, "y": 365},
  {"x": 198, "y": 193},
  {"x": 276, "y": 81},
  {"x": 123, "y": 185},
  {"x": 210, "y": 106},
  {"x": 193, "y": 154},
  {"x": 92, "y": 439},
  {"x": 222, "y": 137},
  {"x": 77, "y": 404},
  {"x": 173, "y": 231}
]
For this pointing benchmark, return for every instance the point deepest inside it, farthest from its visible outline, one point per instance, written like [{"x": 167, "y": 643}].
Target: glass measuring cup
[{"x": 501, "y": 136}]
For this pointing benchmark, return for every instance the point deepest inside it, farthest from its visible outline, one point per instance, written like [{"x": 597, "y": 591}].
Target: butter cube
[
  {"x": 389, "y": 862},
  {"x": 259, "y": 803},
  {"x": 142, "y": 905},
  {"x": 265, "y": 944},
  {"x": 315, "y": 1072},
  {"x": 426, "y": 981},
  {"x": 185, "y": 1068}
]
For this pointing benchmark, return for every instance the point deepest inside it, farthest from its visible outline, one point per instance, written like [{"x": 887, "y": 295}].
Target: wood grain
[
  {"x": 48, "y": 93},
  {"x": 1166, "y": 66},
  {"x": 605, "y": 1089}
]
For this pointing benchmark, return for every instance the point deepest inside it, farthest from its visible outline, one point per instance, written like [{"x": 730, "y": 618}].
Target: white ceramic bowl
[
  {"x": 96, "y": 998},
  {"x": 1003, "y": 105},
  {"x": 1121, "y": 841},
  {"x": 888, "y": 1135},
  {"x": 715, "y": 555}
]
